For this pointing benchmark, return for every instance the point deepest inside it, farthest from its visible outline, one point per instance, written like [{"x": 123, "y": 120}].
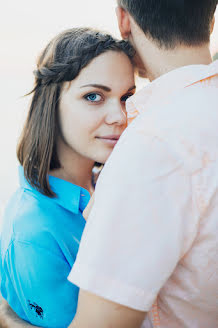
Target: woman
[{"x": 76, "y": 117}]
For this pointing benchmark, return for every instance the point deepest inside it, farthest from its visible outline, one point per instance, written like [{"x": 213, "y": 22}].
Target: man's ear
[
  {"x": 212, "y": 25},
  {"x": 123, "y": 22}
]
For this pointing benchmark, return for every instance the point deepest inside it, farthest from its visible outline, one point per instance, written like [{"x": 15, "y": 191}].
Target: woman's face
[{"x": 92, "y": 112}]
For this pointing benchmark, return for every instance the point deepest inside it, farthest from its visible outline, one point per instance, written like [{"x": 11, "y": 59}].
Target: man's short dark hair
[{"x": 173, "y": 22}]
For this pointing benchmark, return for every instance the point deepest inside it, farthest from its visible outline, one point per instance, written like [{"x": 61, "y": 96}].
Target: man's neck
[{"x": 160, "y": 61}]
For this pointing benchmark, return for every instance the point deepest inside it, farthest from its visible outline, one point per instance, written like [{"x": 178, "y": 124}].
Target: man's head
[{"x": 173, "y": 22}]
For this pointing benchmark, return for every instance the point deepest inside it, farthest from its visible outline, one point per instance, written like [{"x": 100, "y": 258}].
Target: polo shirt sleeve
[
  {"x": 143, "y": 221},
  {"x": 39, "y": 279}
]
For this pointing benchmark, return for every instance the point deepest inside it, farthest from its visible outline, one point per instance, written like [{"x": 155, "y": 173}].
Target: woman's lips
[{"x": 109, "y": 140}]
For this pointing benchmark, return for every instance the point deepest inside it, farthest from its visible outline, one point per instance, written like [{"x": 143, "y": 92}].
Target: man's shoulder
[
  {"x": 189, "y": 123},
  {"x": 185, "y": 123},
  {"x": 190, "y": 109},
  {"x": 196, "y": 102}
]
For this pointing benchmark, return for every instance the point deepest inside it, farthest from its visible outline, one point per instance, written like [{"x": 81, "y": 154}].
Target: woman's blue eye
[{"x": 93, "y": 97}]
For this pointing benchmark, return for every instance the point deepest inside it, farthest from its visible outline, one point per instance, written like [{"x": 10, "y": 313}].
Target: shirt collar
[
  {"x": 167, "y": 84},
  {"x": 70, "y": 196}
]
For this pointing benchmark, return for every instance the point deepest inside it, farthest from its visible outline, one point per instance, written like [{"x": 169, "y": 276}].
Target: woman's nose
[{"x": 116, "y": 114}]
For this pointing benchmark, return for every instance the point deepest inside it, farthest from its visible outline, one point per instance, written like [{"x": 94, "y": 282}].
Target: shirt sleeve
[
  {"x": 40, "y": 286},
  {"x": 143, "y": 221}
]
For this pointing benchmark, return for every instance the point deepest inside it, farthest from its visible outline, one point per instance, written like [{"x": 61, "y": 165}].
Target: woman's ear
[
  {"x": 212, "y": 25},
  {"x": 123, "y": 22}
]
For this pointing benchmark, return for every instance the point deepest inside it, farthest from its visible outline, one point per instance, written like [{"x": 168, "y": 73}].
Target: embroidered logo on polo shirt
[{"x": 38, "y": 310}]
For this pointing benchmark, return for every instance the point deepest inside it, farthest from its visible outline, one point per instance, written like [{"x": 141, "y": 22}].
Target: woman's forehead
[{"x": 108, "y": 68}]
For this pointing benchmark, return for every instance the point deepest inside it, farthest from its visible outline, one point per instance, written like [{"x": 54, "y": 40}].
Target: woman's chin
[{"x": 103, "y": 158}]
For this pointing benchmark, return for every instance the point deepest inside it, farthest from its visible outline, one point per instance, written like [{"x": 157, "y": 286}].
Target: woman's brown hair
[{"x": 61, "y": 61}]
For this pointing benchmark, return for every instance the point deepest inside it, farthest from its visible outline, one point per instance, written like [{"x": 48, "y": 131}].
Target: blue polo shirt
[{"x": 39, "y": 244}]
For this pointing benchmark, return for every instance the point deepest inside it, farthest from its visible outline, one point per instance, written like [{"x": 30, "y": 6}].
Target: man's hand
[
  {"x": 9, "y": 319},
  {"x": 88, "y": 208},
  {"x": 96, "y": 312}
]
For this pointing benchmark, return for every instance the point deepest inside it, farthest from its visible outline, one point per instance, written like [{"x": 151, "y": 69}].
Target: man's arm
[
  {"x": 142, "y": 222},
  {"x": 96, "y": 312},
  {"x": 9, "y": 319}
]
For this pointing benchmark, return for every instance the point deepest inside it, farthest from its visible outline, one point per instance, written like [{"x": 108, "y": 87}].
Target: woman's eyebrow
[
  {"x": 104, "y": 87},
  {"x": 99, "y": 86}
]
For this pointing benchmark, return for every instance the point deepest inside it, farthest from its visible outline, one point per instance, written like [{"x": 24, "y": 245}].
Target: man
[{"x": 148, "y": 256}]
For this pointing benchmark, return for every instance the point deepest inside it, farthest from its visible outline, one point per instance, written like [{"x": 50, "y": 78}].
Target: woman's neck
[{"x": 74, "y": 167}]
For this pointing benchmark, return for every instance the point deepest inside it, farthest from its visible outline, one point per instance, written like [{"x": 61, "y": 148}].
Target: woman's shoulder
[
  {"x": 38, "y": 220},
  {"x": 27, "y": 208}
]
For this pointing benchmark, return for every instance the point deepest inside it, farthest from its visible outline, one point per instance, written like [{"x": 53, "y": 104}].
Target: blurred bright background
[{"x": 26, "y": 27}]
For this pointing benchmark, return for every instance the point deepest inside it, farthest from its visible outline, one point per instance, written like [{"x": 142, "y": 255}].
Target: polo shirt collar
[
  {"x": 167, "y": 84},
  {"x": 72, "y": 197}
]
